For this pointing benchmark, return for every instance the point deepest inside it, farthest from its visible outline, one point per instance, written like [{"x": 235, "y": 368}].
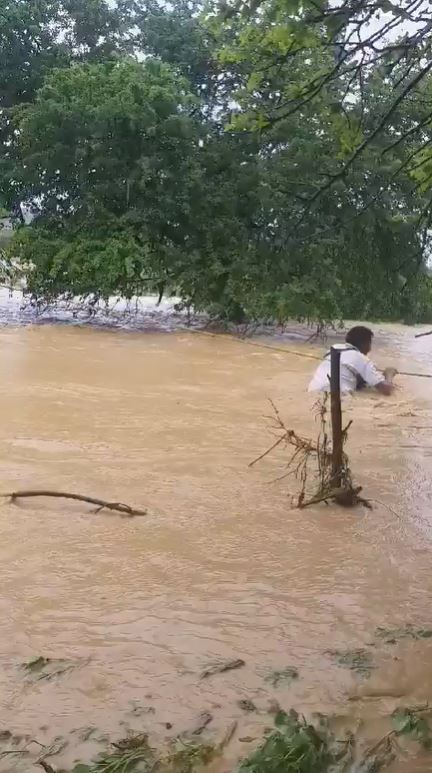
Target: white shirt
[{"x": 352, "y": 364}]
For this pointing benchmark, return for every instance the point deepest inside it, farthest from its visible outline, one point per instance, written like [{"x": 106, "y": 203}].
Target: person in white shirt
[{"x": 356, "y": 369}]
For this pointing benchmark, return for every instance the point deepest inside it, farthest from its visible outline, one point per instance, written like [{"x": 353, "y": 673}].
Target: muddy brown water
[{"x": 223, "y": 566}]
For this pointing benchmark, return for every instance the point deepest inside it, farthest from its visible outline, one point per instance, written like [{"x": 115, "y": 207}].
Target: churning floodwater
[{"x": 223, "y": 567}]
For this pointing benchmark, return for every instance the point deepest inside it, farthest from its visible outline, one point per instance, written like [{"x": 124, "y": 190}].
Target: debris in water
[
  {"x": 393, "y": 635},
  {"x": 246, "y": 705},
  {"x": 273, "y": 706},
  {"x": 128, "y": 754},
  {"x": 204, "y": 719},
  {"x": 47, "y": 768},
  {"x": 132, "y": 742},
  {"x": 286, "y": 675},
  {"x": 140, "y": 710},
  {"x": 228, "y": 735},
  {"x": 49, "y": 668},
  {"x": 293, "y": 746},
  {"x": 184, "y": 757},
  {"x": 86, "y": 733},
  {"x": 220, "y": 668},
  {"x": 37, "y": 664},
  {"x": 414, "y": 722},
  {"x": 302, "y": 450},
  {"x": 358, "y": 660},
  {"x": 100, "y": 504}
]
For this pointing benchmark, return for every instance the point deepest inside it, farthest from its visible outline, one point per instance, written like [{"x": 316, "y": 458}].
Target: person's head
[{"x": 360, "y": 337}]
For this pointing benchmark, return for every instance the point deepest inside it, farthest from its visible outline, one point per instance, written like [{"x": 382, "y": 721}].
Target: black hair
[{"x": 359, "y": 336}]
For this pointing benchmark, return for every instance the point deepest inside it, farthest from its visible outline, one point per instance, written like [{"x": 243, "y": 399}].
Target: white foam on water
[{"x": 137, "y": 314}]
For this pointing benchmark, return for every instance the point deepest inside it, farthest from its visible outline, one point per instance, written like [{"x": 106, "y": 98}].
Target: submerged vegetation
[
  {"x": 284, "y": 741},
  {"x": 135, "y": 754},
  {"x": 283, "y": 676},
  {"x": 393, "y": 635},
  {"x": 176, "y": 149},
  {"x": 293, "y": 745},
  {"x": 358, "y": 660}
]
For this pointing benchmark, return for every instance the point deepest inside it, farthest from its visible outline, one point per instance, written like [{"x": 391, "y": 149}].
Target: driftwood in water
[
  {"x": 220, "y": 668},
  {"x": 46, "y": 766},
  {"x": 204, "y": 719},
  {"x": 100, "y": 504}
]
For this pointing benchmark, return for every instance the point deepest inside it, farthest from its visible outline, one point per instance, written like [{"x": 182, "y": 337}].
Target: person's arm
[
  {"x": 386, "y": 387},
  {"x": 382, "y": 382}
]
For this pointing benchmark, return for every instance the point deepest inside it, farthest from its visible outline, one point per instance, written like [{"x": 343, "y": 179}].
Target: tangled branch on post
[{"x": 304, "y": 453}]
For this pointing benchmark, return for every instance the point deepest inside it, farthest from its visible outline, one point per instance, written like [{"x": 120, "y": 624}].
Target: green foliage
[
  {"x": 413, "y": 723},
  {"x": 293, "y": 747},
  {"x": 105, "y": 136},
  {"x": 129, "y": 754},
  {"x": 130, "y": 133},
  {"x": 416, "y": 300},
  {"x": 36, "y": 37},
  {"x": 135, "y": 754},
  {"x": 184, "y": 757}
]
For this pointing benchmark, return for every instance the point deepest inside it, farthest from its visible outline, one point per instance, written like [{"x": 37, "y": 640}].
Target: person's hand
[{"x": 389, "y": 374}]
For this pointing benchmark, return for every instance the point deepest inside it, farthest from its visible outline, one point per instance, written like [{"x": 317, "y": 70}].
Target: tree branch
[{"x": 99, "y": 503}]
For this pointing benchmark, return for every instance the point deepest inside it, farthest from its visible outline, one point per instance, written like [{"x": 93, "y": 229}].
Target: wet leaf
[
  {"x": 294, "y": 747},
  {"x": 413, "y": 722},
  {"x": 401, "y": 722}
]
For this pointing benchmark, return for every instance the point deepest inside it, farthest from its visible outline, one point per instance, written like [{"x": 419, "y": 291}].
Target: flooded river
[{"x": 223, "y": 566}]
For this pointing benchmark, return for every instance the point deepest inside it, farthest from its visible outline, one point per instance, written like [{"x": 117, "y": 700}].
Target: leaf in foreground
[{"x": 293, "y": 747}]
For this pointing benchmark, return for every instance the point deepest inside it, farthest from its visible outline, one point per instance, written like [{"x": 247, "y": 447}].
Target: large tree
[
  {"x": 353, "y": 40},
  {"x": 185, "y": 172},
  {"x": 36, "y": 37}
]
